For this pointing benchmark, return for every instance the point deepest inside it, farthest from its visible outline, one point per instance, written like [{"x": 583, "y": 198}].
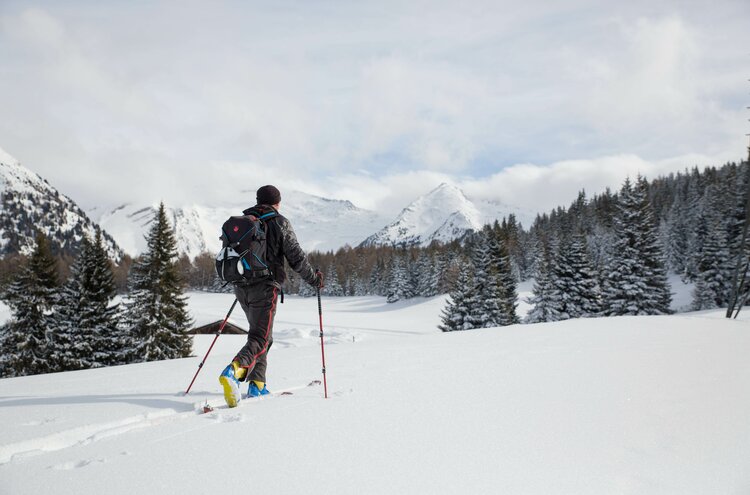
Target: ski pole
[
  {"x": 221, "y": 329},
  {"x": 322, "y": 345}
]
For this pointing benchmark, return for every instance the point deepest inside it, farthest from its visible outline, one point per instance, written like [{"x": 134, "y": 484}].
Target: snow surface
[{"x": 616, "y": 405}]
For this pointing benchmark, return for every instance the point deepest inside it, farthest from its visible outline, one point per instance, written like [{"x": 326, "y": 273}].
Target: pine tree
[
  {"x": 26, "y": 348},
  {"x": 482, "y": 300},
  {"x": 575, "y": 288},
  {"x": 544, "y": 288},
  {"x": 637, "y": 279},
  {"x": 423, "y": 276},
  {"x": 501, "y": 284},
  {"x": 157, "y": 314},
  {"x": 712, "y": 279},
  {"x": 455, "y": 315},
  {"x": 87, "y": 330},
  {"x": 399, "y": 281},
  {"x": 332, "y": 285}
]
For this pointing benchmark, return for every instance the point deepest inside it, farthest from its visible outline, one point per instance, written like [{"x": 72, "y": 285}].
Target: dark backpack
[{"x": 244, "y": 246}]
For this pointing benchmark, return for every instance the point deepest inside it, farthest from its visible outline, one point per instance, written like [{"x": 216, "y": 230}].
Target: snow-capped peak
[{"x": 443, "y": 214}]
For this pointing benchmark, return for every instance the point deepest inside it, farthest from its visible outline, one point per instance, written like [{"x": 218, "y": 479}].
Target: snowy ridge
[
  {"x": 443, "y": 214},
  {"x": 31, "y": 204}
]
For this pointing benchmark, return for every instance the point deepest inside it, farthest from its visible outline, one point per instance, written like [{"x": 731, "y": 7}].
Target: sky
[{"x": 375, "y": 102}]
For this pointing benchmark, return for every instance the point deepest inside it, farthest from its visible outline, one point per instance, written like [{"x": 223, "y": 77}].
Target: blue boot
[
  {"x": 256, "y": 389},
  {"x": 231, "y": 385}
]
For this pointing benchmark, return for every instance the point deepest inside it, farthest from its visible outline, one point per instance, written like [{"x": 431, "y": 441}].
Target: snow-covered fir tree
[
  {"x": 157, "y": 314},
  {"x": 483, "y": 301},
  {"x": 636, "y": 283},
  {"x": 575, "y": 288},
  {"x": 379, "y": 276},
  {"x": 455, "y": 315},
  {"x": 677, "y": 227},
  {"x": 712, "y": 261},
  {"x": 87, "y": 330},
  {"x": 424, "y": 277},
  {"x": 332, "y": 285},
  {"x": 502, "y": 283},
  {"x": 399, "y": 279},
  {"x": 25, "y": 339},
  {"x": 543, "y": 290}
]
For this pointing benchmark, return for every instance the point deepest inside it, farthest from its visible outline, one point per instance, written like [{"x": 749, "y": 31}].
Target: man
[{"x": 258, "y": 297}]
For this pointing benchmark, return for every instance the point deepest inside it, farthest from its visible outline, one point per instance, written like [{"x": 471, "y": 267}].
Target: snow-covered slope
[
  {"x": 320, "y": 223},
  {"x": 443, "y": 214},
  {"x": 30, "y": 204},
  {"x": 641, "y": 405}
]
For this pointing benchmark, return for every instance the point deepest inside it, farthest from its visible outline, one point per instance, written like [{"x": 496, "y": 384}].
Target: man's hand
[{"x": 319, "y": 278}]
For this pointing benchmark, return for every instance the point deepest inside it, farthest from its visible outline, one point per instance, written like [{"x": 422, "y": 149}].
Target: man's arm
[{"x": 294, "y": 253}]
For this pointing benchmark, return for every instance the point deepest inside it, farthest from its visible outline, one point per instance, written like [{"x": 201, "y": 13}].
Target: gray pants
[{"x": 259, "y": 303}]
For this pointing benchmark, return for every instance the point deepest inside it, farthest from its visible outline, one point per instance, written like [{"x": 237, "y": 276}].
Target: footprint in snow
[
  {"x": 228, "y": 418},
  {"x": 68, "y": 466},
  {"x": 44, "y": 421}
]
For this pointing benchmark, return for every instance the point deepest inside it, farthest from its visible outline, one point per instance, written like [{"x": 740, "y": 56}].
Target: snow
[
  {"x": 616, "y": 405},
  {"x": 19, "y": 178}
]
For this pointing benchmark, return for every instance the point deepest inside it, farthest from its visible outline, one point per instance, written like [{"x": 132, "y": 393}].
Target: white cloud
[
  {"x": 129, "y": 99},
  {"x": 534, "y": 188}
]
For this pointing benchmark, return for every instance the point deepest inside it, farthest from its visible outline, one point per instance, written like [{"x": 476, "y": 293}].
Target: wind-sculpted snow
[{"x": 645, "y": 405}]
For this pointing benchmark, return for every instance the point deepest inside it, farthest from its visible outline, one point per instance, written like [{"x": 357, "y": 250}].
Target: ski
[{"x": 214, "y": 405}]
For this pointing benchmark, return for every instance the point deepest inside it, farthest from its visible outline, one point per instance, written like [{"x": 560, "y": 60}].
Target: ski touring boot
[
  {"x": 230, "y": 382},
  {"x": 256, "y": 389}
]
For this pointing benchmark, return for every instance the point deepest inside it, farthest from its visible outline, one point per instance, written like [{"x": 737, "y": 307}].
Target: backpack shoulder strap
[{"x": 268, "y": 216}]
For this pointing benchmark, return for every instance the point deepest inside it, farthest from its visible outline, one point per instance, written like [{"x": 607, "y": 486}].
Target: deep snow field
[{"x": 595, "y": 406}]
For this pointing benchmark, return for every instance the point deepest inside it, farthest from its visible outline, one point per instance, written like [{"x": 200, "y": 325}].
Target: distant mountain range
[
  {"x": 320, "y": 224},
  {"x": 29, "y": 204}
]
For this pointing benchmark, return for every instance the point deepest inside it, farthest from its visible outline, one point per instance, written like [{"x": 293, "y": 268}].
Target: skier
[{"x": 258, "y": 298}]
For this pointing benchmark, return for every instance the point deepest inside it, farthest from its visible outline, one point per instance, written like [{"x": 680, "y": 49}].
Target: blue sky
[{"x": 369, "y": 101}]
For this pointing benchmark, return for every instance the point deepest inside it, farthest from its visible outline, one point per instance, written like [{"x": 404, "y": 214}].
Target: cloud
[
  {"x": 132, "y": 101},
  {"x": 531, "y": 187}
]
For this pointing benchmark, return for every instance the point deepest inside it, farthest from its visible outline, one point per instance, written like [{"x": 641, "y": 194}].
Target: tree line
[
  {"x": 609, "y": 254},
  {"x": 604, "y": 256},
  {"x": 75, "y": 324}
]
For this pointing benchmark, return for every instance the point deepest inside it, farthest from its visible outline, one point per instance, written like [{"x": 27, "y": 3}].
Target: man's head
[{"x": 268, "y": 195}]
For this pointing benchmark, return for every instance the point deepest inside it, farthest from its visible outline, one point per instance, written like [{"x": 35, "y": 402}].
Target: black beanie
[{"x": 268, "y": 195}]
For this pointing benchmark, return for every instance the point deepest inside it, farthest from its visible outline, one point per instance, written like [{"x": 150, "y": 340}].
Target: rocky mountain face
[{"x": 29, "y": 204}]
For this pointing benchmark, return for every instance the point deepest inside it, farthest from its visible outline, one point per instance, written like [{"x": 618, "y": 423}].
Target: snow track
[{"x": 85, "y": 435}]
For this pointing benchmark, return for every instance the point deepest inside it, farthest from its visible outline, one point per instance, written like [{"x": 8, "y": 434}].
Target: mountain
[
  {"x": 320, "y": 224},
  {"x": 29, "y": 204},
  {"x": 443, "y": 214}
]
